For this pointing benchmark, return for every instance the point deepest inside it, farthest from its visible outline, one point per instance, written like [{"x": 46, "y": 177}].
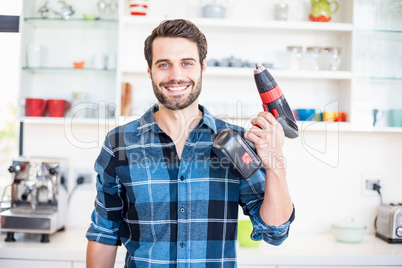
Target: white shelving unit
[
  {"x": 63, "y": 42},
  {"x": 227, "y": 92}
]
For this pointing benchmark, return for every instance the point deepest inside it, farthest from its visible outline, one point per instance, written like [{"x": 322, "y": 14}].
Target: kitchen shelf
[
  {"x": 319, "y": 126},
  {"x": 247, "y": 72},
  {"x": 69, "y": 69},
  {"x": 71, "y": 23},
  {"x": 65, "y": 120},
  {"x": 388, "y": 35},
  {"x": 378, "y": 78},
  {"x": 308, "y": 126},
  {"x": 343, "y": 127},
  {"x": 300, "y": 74},
  {"x": 253, "y": 25}
]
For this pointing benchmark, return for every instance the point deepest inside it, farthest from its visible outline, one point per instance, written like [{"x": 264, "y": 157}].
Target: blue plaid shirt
[{"x": 171, "y": 212}]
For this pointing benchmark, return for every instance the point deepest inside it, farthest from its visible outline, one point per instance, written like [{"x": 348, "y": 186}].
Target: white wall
[{"x": 324, "y": 194}]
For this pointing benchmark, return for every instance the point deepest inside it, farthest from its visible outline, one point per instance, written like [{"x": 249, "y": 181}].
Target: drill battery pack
[{"x": 230, "y": 146}]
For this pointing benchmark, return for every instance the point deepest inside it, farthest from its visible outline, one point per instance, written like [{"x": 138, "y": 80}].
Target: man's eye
[
  {"x": 187, "y": 63},
  {"x": 163, "y": 65}
]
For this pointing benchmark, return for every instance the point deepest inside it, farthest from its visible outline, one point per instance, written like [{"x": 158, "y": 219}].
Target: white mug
[
  {"x": 35, "y": 54},
  {"x": 99, "y": 61},
  {"x": 111, "y": 61},
  {"x": 380, "y": 118}
]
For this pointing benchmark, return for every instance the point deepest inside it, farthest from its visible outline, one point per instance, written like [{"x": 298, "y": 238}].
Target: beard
[{"x": 178, "y": 102}]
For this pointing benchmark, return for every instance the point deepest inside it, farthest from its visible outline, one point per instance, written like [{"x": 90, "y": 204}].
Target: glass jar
[
  {"x": 281, "y": 11},
  {"x": 334, "y": 58},
  {"x": 324, "y": 59},
  {"x": 312, "y": 58},
  {"x": 294, "y": 55}
]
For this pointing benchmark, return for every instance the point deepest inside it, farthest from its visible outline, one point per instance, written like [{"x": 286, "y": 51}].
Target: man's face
[{"x": 176, "y": 72}]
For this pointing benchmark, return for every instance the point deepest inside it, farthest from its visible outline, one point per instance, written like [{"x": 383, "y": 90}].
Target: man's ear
[
  {"x": 204, "y": 65},
  {"x": 149, "y": 72}
]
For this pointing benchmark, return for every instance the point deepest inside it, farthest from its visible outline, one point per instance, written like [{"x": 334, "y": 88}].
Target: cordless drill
[
  {"x": 241, "y": 153},
  {"x": 274, "y": 102}
]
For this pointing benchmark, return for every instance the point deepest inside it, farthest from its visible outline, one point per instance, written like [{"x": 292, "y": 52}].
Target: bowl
[
  {"x": 245, "y": 227},
  {"x": 214, "y": 11},
  {"x": 89, "y": 16},
  {"x": 349, "y": 231},
  {"x": 305, "y": 114},
  {"x": 79, "y": 64}
]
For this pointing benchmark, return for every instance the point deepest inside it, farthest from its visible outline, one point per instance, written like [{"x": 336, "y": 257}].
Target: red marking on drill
[
  {"x": 246, "y": 158},
  {"x": 271, "y": 95},
  {"x": 275, "y": 113}
]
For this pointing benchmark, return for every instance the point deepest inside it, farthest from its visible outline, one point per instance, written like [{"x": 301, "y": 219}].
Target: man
[{"x": 162, "y": 192}]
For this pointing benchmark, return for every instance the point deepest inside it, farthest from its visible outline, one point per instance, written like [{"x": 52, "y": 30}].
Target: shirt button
[
  {"x": 182, "y": 210},
  {"x": 182, "y": 244},
  {"x": 182, "y": 178}
]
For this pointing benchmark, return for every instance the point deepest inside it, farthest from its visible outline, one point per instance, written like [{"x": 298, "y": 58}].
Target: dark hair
[{"x": 176, "y": 28}]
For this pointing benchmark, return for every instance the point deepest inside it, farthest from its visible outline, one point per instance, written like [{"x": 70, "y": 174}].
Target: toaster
[{"x": 388, "y": 223}]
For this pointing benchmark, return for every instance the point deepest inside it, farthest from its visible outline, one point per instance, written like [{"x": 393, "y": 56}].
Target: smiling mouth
[{"x": 176, "y": 88}]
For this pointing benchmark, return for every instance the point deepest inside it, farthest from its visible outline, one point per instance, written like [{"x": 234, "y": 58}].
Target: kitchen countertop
[{"x": 320, "y": 249}]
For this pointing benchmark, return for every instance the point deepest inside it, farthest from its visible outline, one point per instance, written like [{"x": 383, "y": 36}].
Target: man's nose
[{"x": 176, "y": 73}]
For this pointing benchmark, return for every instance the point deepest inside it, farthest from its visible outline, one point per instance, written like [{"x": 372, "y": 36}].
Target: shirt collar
[{"x": 147, "y": 121}]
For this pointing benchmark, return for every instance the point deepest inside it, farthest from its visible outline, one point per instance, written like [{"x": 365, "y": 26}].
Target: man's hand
[{"x": 268, "y": 137}]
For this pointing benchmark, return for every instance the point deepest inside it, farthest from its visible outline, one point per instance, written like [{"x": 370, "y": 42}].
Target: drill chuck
[{"x": 263, "y": 79}]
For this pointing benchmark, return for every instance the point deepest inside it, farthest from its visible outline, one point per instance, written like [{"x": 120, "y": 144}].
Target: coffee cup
[
  {"x": 395, "y": 117},
  {"x": 245, "y": 227},
  {"x": 35, "y": 55},
  {"x": 334, "y": 116},
  {"x": 57, "y": 108},
  {"x": 379, "y": 118},
  {"x": 35, "y": 107},
  {"x": 329, "y": 116},
  {"x": 214, "y": 11},
  {"x": 317, "y": 117},
  {"x": 341, "y": 117}
]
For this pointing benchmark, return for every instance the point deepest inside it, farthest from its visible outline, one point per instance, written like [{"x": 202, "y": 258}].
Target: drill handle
[
  {"x": 289, "y": 126},
  {"x": 290, "y": 130}
]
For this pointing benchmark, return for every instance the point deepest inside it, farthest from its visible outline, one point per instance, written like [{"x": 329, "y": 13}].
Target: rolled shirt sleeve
[
  {"x": 251, "y": 198},
  {"x": 274, "y": 235}
]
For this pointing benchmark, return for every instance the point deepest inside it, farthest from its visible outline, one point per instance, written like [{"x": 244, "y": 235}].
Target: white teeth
[{"x": 176, "y": 88}]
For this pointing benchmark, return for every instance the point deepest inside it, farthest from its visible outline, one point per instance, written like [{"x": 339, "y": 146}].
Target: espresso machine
[{"x": 39, "y": 198}]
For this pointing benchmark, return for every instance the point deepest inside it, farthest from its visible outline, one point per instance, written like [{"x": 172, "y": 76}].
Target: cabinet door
[
  {"x": 378, "y": 63},
  {"x": 34, "y": 264}
]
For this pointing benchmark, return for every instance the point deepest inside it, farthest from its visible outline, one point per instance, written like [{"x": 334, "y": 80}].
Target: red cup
[
  {"x": 57, "y": 108},
  {"x": 341, "y": 117},
  {"x": 35, "y": 107}
]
